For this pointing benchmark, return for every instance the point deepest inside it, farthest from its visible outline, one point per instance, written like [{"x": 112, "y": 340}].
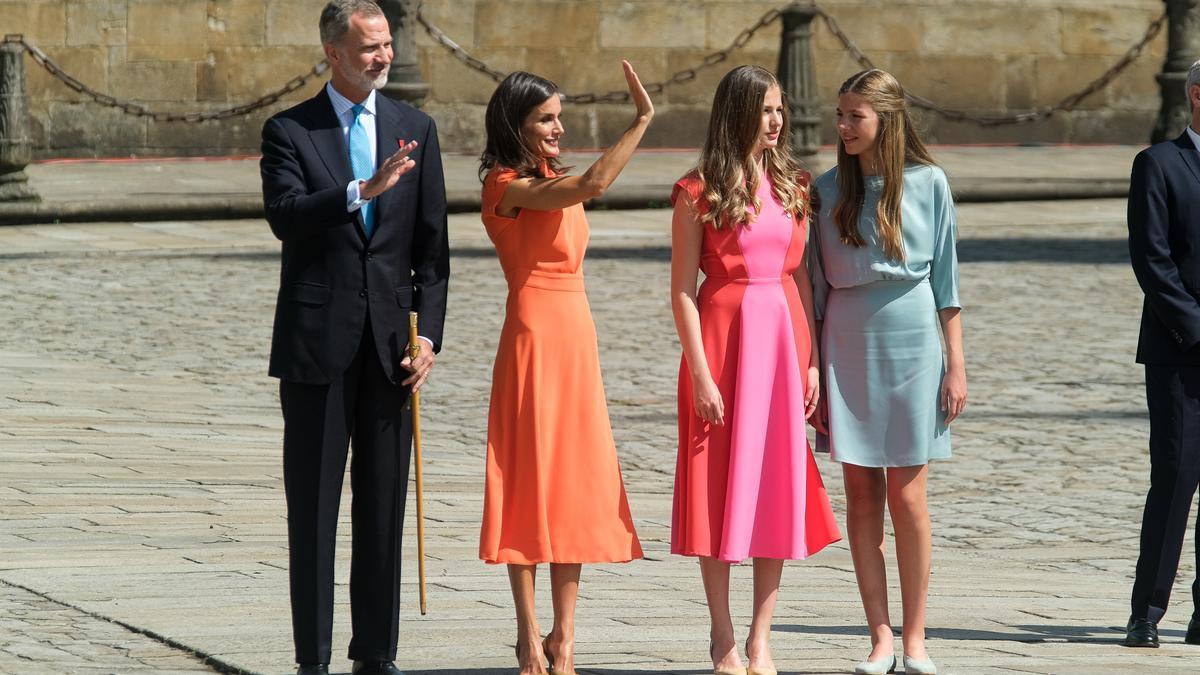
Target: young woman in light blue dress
[{"x": 885, "y": 278}]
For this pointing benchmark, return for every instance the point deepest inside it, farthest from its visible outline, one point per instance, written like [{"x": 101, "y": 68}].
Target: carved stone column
[
  {"x": 1183, "y": 48},
  {"x": 16, "y": 148},
  {"x": 404, "y": 78},
  {"x": 799, "y": 83}
]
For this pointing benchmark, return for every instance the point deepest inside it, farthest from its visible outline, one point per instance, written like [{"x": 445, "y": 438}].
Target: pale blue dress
[{"x": 881, "y": 346}]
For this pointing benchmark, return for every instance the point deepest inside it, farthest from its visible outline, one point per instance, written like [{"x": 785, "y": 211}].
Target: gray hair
[
  {"x": 1193, "y": 80},
  {"x": 335, "y": 18}
]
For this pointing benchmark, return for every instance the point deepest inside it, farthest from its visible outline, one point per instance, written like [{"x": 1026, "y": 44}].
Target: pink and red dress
[{"x": 750, "y": 488}]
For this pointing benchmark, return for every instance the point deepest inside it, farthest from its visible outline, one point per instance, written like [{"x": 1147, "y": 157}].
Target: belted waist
[
  {"x": 550, "y": 281},
  {"x": 747, "y": 280}
]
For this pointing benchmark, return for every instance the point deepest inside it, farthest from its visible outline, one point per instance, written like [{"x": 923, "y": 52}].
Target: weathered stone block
[
  {"x": 543, "y": 23},
  {"x": 293, "y": 22},
  {"x": 1103, "y": 30},
  {"x": 456, "y": 18},
  {"x": 832, "y": 69},
  {"x": 1136, "y": 88},
  {"x": 1020, "y": 83},
  {"x": 1061, "y": 76},
  {"x": 89, "y": 130},
  {"x": 154, "y": 81},
  {"x": 678, "y": 126},
  {"x": 175, "y": 31},
  {"x": 451, "y": 81},
  {"x": 43, "y": 22},
  {"x": 726, "y": 20},
  {"x": 240, "y": 23},
  {"x": 974, "y": 29},
  {"x": 938, "y": 130},
  {"x": 872, "y": 28},
  {"x": 243, "y": 135},
  {"x": 169, "y": 138},
  {"x": 460, "y": 126},
  {"x": 240, "y": 74},
  {"x": 666, "y": 24},
  {"x": 974, "y": 82},
  {"x": 89, "y": 65},
  {"x": 1112, "y": 126},
  {"x": 701, "y": 89},
  {"x": 96, "y": 23}
]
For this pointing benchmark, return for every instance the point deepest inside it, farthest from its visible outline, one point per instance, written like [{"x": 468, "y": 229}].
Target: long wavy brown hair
[
  {"x": 897, "y": 144},
  {"x": 727, "y": 169}
]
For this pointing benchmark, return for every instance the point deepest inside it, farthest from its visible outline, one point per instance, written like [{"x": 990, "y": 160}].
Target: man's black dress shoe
[
  {"x": 313, "y": 669},
  {"x": 1193, "y": 632},
  {"x": 1141, "y": 633},
  {"x": 375, "y": 668}
]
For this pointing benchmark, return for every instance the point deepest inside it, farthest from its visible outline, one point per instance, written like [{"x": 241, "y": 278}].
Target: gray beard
[{"x": 364, "y": 81}]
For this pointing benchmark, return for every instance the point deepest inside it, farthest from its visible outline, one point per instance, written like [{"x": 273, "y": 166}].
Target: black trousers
[
  {"x": 1173, "y": 397},
  {"x": 365, "y": 410}
]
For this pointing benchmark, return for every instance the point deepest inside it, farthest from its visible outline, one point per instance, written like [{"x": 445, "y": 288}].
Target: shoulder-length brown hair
[
  {"x": 897, "y": 144},
  {"x": 517, "y": 96},
  {"x": 727, "y": 171}
]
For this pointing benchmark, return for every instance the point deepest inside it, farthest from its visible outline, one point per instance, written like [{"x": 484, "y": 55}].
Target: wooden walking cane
[{"x": 414, "y": 350}]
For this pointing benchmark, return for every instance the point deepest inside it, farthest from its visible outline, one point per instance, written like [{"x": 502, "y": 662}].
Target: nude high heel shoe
[{"x": 723, "y": 671}]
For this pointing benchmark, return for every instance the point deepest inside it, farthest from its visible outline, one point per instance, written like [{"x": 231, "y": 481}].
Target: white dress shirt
[
  {"x": 1194, "y": 136},
  {"x": 343, "y": 108}
]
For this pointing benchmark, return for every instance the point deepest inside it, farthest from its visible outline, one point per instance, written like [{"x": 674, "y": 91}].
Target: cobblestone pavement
[{"x": 141, "y": 501}]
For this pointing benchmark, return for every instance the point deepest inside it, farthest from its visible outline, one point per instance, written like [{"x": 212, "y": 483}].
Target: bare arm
[
  {"x": 812, "y": 391},
  {"x": 549, "y": 194},
  {"x": 953, "y": 397},
  {"x": 686, "y": 238}
]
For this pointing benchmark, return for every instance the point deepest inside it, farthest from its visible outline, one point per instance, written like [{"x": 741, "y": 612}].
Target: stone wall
[{"x": 984, "y": 56}]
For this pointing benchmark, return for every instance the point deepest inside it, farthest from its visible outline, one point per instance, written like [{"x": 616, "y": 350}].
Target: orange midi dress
[{"x": 553, "y": 491}]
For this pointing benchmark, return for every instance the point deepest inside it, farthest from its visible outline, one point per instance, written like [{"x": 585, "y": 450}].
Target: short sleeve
[
  {"x": 691, "y": 185},
  {"x": 494, "y": 186},
  {"x": 943, "y": 274}
]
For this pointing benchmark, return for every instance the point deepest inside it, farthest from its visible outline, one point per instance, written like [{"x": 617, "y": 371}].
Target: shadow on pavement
[
  {"x": 1044, "y": 249},
  {"x": 580, "y": 670},
  {"x": 1020, "y": 633}
]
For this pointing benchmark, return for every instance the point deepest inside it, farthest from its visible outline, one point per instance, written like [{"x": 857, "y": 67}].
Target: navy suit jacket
[
  {"x": 1164, "y": 247},
  {"x": 331, "y": 275}
]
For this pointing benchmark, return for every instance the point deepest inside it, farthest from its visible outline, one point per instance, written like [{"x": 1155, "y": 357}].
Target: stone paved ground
[{"x": 141, "y": 503}]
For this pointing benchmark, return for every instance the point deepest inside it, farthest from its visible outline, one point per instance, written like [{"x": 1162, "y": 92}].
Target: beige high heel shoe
[
  {"x": 751, "y": 670},
  {"x": 550, "y": 659},
  {"x": 724, "y": 671}
]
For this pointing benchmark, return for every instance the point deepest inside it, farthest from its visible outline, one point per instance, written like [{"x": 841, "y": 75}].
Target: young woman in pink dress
[{"x": 746, "y": 484}]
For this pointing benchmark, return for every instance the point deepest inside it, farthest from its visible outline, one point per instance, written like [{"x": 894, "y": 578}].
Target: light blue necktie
[{"x": 361, "y": 163}]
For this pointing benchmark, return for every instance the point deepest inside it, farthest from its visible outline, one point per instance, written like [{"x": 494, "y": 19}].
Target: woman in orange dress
[{"x": 553, "y": 492}]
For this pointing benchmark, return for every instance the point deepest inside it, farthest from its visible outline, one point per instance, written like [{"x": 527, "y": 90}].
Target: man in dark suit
[
  {"x": 1164, "y": 246},
  {"x": 353, "y": 187}
]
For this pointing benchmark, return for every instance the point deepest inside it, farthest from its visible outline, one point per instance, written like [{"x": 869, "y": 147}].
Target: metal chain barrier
[
  {"x": 1065, "y": 105},
  {"x": 141, "y": 111},
  {"x": 679, "y": 77},
  {"x": 773, "y": 15},
  {"x": 622, "y": 96}
]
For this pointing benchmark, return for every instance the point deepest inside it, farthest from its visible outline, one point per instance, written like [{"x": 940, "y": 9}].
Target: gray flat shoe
[
  {"x": 918, "y": 666},
  {"x": 880, "y": 666}
]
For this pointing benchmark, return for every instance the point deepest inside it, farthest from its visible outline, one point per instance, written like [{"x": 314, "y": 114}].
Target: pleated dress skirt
[{"x": 882, "y": 353}]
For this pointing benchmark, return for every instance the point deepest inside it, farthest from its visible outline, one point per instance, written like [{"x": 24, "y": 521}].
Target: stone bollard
[
  {"x": 796, "y": 75},
  {"x": 1183, "y": 47},
  {"x": 16, "y": 149},
  {"x": 404, "y": 81}
]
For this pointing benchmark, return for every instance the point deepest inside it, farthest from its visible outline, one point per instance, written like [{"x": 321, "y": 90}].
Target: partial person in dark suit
[
  {"x": 353, "y": 187},
  {"x": 1164, "y": 246}
]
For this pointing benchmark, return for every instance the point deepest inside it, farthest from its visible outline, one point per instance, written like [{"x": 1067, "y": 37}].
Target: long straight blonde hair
[
  {"x": 897, "y": 144},
  {"x": 727, "y": 169}
]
